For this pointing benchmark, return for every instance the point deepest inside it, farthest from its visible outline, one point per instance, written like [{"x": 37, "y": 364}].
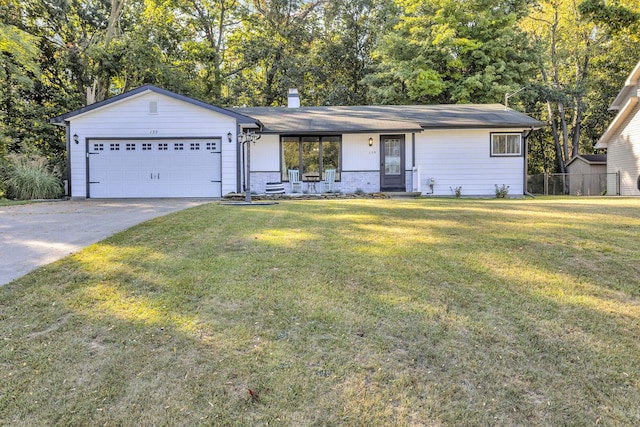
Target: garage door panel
[{"x": 155, "y": 168}]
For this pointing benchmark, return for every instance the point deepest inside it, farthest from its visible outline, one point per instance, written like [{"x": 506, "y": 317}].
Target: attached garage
[
  {"x": 150, "y": 143},
  {"x": 123, "y": 168}
]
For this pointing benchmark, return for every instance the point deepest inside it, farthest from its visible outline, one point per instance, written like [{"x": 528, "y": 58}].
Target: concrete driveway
[{"x": 39, "y": 233}]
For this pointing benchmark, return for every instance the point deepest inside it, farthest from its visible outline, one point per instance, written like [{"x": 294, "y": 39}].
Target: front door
[{"x": 392, "y": 163}]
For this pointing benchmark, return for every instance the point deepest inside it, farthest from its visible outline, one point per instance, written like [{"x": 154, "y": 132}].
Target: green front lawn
[{"x": 346, "y": 312}]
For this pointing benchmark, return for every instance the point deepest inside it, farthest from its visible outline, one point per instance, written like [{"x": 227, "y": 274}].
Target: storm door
[{"x": 392, "y": 175}]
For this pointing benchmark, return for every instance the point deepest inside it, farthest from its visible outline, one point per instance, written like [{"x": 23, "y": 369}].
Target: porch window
[
  {"x": 506, "y": 144},
  {"x": 310, "y": 155}
]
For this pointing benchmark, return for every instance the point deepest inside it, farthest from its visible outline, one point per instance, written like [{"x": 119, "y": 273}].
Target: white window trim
[{"x": 518, "y": 154}]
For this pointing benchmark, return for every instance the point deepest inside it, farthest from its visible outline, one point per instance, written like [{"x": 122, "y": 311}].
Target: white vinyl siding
[
  {"x": 623, "y": 156},
  {"x": 460, "y": 158},
  {"x": 130, "y": 118}
]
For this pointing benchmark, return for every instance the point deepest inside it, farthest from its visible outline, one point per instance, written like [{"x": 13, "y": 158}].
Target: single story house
[
  {"x": 622, "y": 139},
  {"x": 150, "y": 142},
  {"x": 587, "y": 174}
]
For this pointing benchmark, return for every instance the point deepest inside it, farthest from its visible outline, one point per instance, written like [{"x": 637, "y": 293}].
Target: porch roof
[{"x": 387, "y": 118}]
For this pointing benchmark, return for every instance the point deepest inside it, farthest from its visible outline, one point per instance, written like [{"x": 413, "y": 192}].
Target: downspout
[
  {"x": 68, "y": 159},
  {"x": 413, "y": 149},
  {"x": 239, "y": 166},
  {"x": 525, "y": 136}
]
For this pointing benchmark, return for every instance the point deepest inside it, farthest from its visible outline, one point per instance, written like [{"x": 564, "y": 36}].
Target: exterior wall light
[
  {"x": 370, "y": 142},
  {"x": 229, "y": 136},
  {"x": 75, "y": 138}
]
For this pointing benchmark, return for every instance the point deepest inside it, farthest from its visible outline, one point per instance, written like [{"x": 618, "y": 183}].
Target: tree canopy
[{"x": 560, "y": 61}]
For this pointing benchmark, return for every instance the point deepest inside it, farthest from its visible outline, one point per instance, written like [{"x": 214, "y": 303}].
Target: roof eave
[
  {"x": 631, "y": 81},
  {"x": 617, "y": 121},
  {"x": 536, "y": 126},
  {"x": 338, "y": 131}
]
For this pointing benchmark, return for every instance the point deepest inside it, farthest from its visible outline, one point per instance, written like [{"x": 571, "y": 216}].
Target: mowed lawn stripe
[{"x": 341, "y": 312}]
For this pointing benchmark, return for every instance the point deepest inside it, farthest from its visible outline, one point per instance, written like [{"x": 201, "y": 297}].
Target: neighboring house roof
[
  {"x": 591, "y": 159},
  {"x": 387, "y": 118},
  {"x": 629, "y": 84},
  {"x": 59, "y": 120},
  {"x": 625, "y": 103}
]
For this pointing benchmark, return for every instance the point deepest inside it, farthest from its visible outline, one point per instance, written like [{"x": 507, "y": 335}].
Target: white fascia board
[
  {"x": 617, "y": 121},
  {"x": 629, "y": 84}
]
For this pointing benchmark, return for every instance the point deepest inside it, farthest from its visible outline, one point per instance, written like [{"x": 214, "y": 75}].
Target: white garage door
[{"x": 154, "y": 168}]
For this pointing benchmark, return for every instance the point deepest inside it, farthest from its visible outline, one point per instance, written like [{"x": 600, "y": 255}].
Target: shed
[{"x": 587, "y": 174}]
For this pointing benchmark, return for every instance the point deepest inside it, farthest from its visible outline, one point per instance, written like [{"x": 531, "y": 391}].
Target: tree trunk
[
  {"x": 565, "y": 133},
  {"x": 98, "y": 92},
  {"x": 556, "y": 138}
]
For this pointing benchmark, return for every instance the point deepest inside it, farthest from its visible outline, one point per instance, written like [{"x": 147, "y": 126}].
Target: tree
[
  {"x": 19, "y": 70},
  {"x": 446, "y": 51},
  {"x": 569, "y": 45},
  {"x": 342, "y": 53},
  {"x": 271, "y": 49}
]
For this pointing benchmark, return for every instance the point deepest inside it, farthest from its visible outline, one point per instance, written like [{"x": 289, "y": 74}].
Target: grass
[
  {"x": 350, "y": 312},
  {"x": 7, "y": 202}
]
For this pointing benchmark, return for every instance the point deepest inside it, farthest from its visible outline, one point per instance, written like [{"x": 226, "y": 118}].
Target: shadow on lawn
[{"x": 361, "y": 312}]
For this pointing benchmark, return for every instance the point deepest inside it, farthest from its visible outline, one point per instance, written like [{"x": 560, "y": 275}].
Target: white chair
[
  {"x": 294, "y": 181},
  {"x": 329, "y": 179}
]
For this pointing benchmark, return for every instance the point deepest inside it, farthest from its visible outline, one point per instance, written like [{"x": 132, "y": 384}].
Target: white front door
[{"x": 154, "y": 168}]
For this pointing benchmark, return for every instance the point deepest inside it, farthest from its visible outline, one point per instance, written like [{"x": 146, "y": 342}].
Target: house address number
[{"x": 153, "y": 132}]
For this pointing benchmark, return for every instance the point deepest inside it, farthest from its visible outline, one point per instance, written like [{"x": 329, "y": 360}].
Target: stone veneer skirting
[{"x": 350, "y": 182}]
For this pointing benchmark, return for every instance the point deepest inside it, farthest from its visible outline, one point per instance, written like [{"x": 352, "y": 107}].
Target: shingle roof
[
  {"x": 592, "y": 159},
  {"x": 401, "y": 118}
]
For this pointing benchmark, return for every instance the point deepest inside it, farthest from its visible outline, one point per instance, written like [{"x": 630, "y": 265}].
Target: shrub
[
  {"x": 456, "y": 192},
  {"x": 28, "y": 177},
  {"x": 502, "y": 192}
]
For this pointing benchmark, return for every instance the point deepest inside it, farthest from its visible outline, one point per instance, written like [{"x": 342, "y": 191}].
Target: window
[
  {"x": 114, "y": 147},
  {"x": 195, "y": 146},
  {"x": 98, "y": 147},
  {"x": 310, "y": 155},
  {"x": 506, "y": 144},
  {"x": 163, "y": 146},
  {"x": 131, "y": 147},
  {"x": 178, "y": 146},
  {"x": 146, "y": 146}
]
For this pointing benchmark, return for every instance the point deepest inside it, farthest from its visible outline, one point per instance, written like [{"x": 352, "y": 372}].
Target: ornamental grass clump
[{"x": 29, "y": 177}]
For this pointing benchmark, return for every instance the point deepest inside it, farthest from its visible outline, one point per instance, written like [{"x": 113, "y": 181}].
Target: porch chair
[
  {"x": 294, "y": 181},
  {"x": 329, "y": 179}
]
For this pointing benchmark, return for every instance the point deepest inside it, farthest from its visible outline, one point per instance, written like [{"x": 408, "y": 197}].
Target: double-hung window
[
  {"x": 506, "y": 144},
  {"x": 311, "y": 155}
]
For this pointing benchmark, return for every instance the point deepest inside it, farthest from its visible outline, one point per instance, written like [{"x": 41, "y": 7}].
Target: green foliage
[
  {"x": 30, "y": 177},
  {"x": 571, "y": 58},
  {"x": 615, "y": 16},
  {"x": 457, "y": 192},
  {"x": 445, "y": 51}
]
